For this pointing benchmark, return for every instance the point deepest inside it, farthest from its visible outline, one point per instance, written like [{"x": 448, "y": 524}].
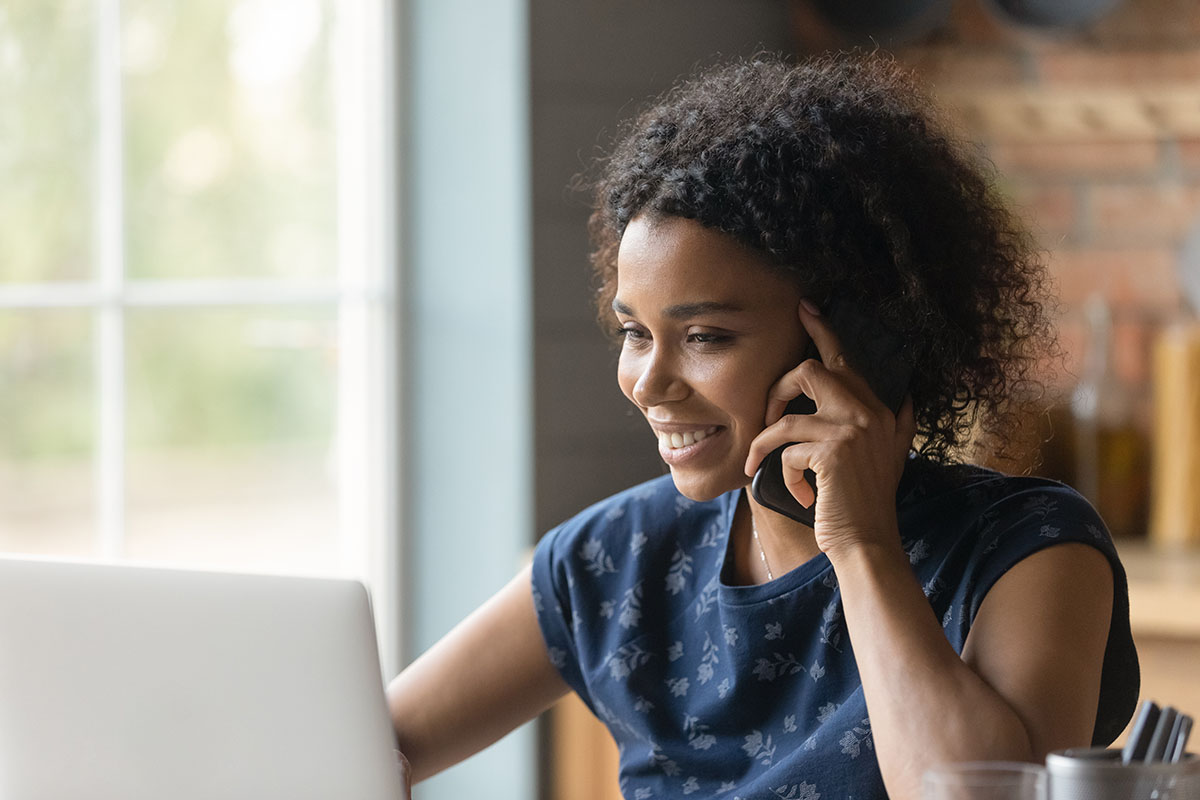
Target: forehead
[{"x": 681, "y": 260}]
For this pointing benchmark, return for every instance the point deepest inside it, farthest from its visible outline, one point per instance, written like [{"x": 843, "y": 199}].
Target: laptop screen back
[{"x": 135, "y": 683}]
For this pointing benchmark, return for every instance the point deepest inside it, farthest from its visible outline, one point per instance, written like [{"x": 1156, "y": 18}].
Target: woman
[{"x": 933, "y": 611}]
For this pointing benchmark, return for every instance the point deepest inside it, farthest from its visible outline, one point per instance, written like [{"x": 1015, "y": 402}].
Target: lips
[
  {"x": 676, "y": 440},
  {"x": 682, "y": 443}
]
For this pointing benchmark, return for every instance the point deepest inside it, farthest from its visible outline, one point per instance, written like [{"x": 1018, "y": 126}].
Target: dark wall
[{"x": 593, "y": 63}]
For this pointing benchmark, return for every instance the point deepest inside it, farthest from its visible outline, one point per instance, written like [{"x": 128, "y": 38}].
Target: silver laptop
[{"x": 155, "y": 684}]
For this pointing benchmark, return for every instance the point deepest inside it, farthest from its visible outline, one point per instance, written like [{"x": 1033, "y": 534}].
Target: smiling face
[{"x": 708, "y": 328}]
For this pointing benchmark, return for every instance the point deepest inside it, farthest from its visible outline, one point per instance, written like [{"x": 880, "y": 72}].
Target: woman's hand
[
  {"x": 854, "y": 443},
  {"x": 405, "y": 776}
]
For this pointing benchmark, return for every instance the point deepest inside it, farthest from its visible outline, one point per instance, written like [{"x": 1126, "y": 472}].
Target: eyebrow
[{"x": 685, "y": 310}]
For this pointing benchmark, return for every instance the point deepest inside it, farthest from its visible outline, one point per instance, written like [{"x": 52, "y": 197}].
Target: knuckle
[
  {"x": 780, "y": 393},
  {"x": 856, "y": 424},
  {"x": 794, "y": 458},
  {"x": 808, "y": 368},
  {"x": 861, "y": 421}
]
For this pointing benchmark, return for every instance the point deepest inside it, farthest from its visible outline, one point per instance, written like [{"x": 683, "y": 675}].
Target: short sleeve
[
  {"x": 1040, "y": 514},
  {"x": 555, "y": 615}
]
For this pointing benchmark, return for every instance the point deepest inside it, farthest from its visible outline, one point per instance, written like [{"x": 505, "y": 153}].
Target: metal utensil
[
  {"x": 1173, "y": 738},
  {"x": 1139, "y": 737},
  {"x": 1157, "y": 749},
  {"x": 1180, "y": 747}
]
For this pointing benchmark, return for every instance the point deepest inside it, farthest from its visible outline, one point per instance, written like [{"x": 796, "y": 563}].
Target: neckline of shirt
[
  {"x": 798, "y": 578},
  {"x": 803, "y": 575}
]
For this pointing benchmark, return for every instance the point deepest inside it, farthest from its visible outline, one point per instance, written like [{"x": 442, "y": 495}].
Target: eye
[
  {"x": 630, "y": 333},
  {"x": 709, "y": 338}
]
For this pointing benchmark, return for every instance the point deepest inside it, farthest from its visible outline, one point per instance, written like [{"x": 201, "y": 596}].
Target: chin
[{"x": 703, "y": 488}]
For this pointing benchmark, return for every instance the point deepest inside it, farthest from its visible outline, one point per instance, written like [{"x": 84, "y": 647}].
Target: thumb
[{"x": 405, "y": 775}]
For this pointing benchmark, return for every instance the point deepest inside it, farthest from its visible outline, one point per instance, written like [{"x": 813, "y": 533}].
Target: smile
[{"x": 680, "y": 439}]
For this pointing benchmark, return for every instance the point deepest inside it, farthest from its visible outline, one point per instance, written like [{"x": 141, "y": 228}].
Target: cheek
[
  {"x": 627, "y": 375},
  {"x": 751, "y": 411},
  {"x": 746, "y": 399}
]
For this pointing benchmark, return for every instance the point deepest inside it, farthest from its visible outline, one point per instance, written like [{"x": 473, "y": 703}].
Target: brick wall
[
  {"x": 1096, "y": 138},
  {"x": 1111, "y": 202}
]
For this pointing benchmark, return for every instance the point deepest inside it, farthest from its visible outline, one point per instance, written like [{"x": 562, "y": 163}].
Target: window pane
[
  {"x": 46, "y": 127},
  {"x": 229, "y": 147},
  {"x": 231, "y": 447},
  {"x": 46, "y": 441}
]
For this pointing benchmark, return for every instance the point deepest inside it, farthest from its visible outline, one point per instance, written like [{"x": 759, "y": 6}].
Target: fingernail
[{"x": 810, "y": 306}]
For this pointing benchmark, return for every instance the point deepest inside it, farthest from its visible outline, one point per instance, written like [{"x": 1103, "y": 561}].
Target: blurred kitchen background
[{"x": 300, "y": 285}]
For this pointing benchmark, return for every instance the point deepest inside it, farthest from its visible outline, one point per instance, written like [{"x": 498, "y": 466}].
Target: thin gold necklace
[{"x": 761, "y": 552}]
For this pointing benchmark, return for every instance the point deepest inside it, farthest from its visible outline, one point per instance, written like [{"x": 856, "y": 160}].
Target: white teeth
[{"x": 674, "y": 441}]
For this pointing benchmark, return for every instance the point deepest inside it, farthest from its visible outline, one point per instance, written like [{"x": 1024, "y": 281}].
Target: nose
[{"x": 659, "y": 381}]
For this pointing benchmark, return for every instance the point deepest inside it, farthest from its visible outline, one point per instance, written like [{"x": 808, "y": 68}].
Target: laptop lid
[{"x": 143, "y": 684}]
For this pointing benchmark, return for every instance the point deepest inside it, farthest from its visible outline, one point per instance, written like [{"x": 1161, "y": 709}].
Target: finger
[
  {"x": 405, "y": 773},
  {"x": 789, "y": 387},
  {"x": 789, "y": 430},
  {"x": 814, "y": 380},
  {"x": 826, "y": 341},
  {"x": 833, "y": 353},
  {"x": 795, "y": 460}
]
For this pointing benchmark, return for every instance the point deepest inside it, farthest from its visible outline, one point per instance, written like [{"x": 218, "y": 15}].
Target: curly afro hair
[{"x": 838, "y": 170}]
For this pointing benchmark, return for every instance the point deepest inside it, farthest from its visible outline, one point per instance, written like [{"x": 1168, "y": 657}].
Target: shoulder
[
  {"x": 966, "y": 526},
  {"x": 1042, "y": 558},
  {"x": 987, "y": 523},
  {"x": 1034, "y": 512},
  {"x": 995, "y": 504}
]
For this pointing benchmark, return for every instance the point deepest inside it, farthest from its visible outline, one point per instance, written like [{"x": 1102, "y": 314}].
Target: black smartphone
[{"x": 872, "y": 351}]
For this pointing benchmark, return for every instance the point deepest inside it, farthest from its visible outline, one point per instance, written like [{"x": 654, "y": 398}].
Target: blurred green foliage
[
  {"x": 46, "y": 406},
  {"x": 229, "y": 172},
  {"x": 221, "y": 376},
  {"x": 230, "y": 154},
  {"x": 47, "y": 132}
]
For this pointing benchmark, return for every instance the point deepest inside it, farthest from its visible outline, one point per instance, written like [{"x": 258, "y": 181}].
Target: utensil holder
[{"x": 1096, "y": 773}]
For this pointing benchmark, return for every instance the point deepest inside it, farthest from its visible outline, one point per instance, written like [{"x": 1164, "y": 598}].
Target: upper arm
[
  {"x": 1038, "y": 640},
  {"x": 490, "y": 674}
]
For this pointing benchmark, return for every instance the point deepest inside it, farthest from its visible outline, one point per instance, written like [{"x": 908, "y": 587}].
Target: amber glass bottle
[{"x": 1112, "y": 459}]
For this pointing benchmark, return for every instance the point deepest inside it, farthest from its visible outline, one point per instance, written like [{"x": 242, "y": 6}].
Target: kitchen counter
[
  {"x": 1164, "y": 611},
  {"x": 1164, "y": 590}
]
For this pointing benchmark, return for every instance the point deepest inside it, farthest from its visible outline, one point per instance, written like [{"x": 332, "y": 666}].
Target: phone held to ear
[{"x": 874, "y": 352}]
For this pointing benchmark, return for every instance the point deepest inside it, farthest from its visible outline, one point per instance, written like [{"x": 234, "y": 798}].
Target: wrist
[{"x": 859, "y": 554}]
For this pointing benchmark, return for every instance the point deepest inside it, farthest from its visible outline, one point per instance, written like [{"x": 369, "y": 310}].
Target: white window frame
[{"x": 364, "y": 296}]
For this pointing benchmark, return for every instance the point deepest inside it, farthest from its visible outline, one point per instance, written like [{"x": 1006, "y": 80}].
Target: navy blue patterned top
[{"x": 753, "y": 691}]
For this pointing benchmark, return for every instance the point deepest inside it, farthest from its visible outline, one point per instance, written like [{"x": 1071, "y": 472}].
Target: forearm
[
  {"x": 438, "y": 723},
  {"x": 485, "y": 678},
  {"x": 926, "y": 706}
]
